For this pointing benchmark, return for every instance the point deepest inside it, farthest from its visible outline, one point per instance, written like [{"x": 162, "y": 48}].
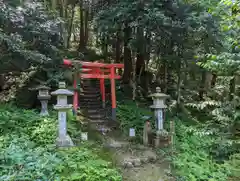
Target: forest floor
[
  {"x": 135, "y": 161},
  {"x": 138, "y": 163}
]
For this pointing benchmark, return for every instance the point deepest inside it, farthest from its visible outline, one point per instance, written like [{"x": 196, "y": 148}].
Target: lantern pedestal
[
  {"x": 44, "y": 105},
  {"x": 161, "y": 138},
  {"x": 64, "y": 142},
  {"x": 43, "y": 97}
]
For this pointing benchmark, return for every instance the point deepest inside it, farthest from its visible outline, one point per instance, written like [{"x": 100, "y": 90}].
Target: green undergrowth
[
  {"x": 133, "y": 114},
  {"x": 197, "y": 150},
  {"x": 194, "y": 159},
  {"x": 130, "y": 115},
  {"x": 28, "y": 151}
]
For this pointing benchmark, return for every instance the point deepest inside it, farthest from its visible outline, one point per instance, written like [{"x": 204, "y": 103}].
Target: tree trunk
[
  {"x": 148, "y": 48},
  {"x": 232, "y": 86},
  {"x": 179, "y": 86},
  {"x": 64, "y": 26},
  {"x": 165, "y": 79},
  {"x": 118, "y": 50},
  {"x": 64, "y": 9},
  {"x": 133, "y": 78},
  {"x": 70, "y": 26},
  {"x": 82, "y": 38},
  {"x": 214, "y": 79},
  {"x": 86, "y": 27},
  {"x": 45, "y": 3},
  {"x": 1, "y": 82},
  {"x": 54, "y": 5},
  {"x": 127, "y": 55},
  {"x": 105, "y": 46},
  {"x": 202, "y": 85},
  {"x": 140, "y": 64}
]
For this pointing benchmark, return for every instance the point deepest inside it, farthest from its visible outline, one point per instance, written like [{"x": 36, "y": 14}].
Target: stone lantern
[
  {"x": 62, "y": 107},
  {"x": 43, "y": 96},
  {"x": 159, "y": 106}
]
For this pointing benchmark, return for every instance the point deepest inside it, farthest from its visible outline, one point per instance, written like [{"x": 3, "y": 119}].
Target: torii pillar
[{"x": 113, "y": 94}]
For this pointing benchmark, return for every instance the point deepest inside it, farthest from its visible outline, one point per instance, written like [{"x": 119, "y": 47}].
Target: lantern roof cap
[
  {"x": 62, "y": 90},
  {"x": 40, "y": 87},
  {"x": 158, "y": 94}
]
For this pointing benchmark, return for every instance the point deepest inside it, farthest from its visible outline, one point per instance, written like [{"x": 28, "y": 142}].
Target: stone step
[
  {"x": 90, "y": 106},
  {"x": 96, "y": 111},
  {"x": 92, "y": 116},
  {"x": 90, "y": 91},
  {"x": 93, "y": 91},
  {"x": 97, "y": 121},
  {"x": 96, "y": 116},
  {"x": 93, "y": 102},
  {"x": 93, "y": 105},
  {"x": 89, "y": 99},
  {"x": 90, "y": 102},
  {"x": 89, "y": 94},
  {"x": 90, "y": 80},
  {"x": 92, "y": 84}
]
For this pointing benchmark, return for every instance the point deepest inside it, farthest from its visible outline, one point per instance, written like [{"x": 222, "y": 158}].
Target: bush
[
  {"x": 131, "y": 116},
  {"x": 27, "y": 151},
  {"x": 193, "y": 159}
]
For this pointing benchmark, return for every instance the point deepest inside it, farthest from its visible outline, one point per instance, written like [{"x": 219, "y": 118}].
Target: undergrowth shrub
[
  {"x": 131, "y": 116},
  {"x": 193, "y": 159},
  {"x": 28, "y": 152},
  {"x": 234, "y": 165}
]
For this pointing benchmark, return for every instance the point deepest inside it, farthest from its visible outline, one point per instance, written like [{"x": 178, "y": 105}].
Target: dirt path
[{"x": 136, "y": 162}]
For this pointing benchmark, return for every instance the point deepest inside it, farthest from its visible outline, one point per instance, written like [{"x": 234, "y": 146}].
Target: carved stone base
[
  {"x": 44, "y": 109},
  {"x": 64, "y": 142},
  {"x": 161, "y": 139},
  {"x": 44, "y": 113}
]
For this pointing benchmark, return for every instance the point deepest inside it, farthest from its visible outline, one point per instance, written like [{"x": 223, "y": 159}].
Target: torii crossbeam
[{"x": 94, "y": 70}]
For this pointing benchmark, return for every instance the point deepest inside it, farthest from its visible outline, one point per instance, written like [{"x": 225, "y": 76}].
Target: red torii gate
[{"x": 101, "y": 71}]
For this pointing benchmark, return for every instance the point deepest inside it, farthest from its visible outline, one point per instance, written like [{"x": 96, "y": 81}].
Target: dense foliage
[
  {"x": 28, "y": 151},
  {"x": 29, "y": 37},
  {"x": 200, "y": 154},
  {"x": 191, "y": 49}
]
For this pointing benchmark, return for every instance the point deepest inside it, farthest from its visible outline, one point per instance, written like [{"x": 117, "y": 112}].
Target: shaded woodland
[{"x": 191, "y": 49}]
